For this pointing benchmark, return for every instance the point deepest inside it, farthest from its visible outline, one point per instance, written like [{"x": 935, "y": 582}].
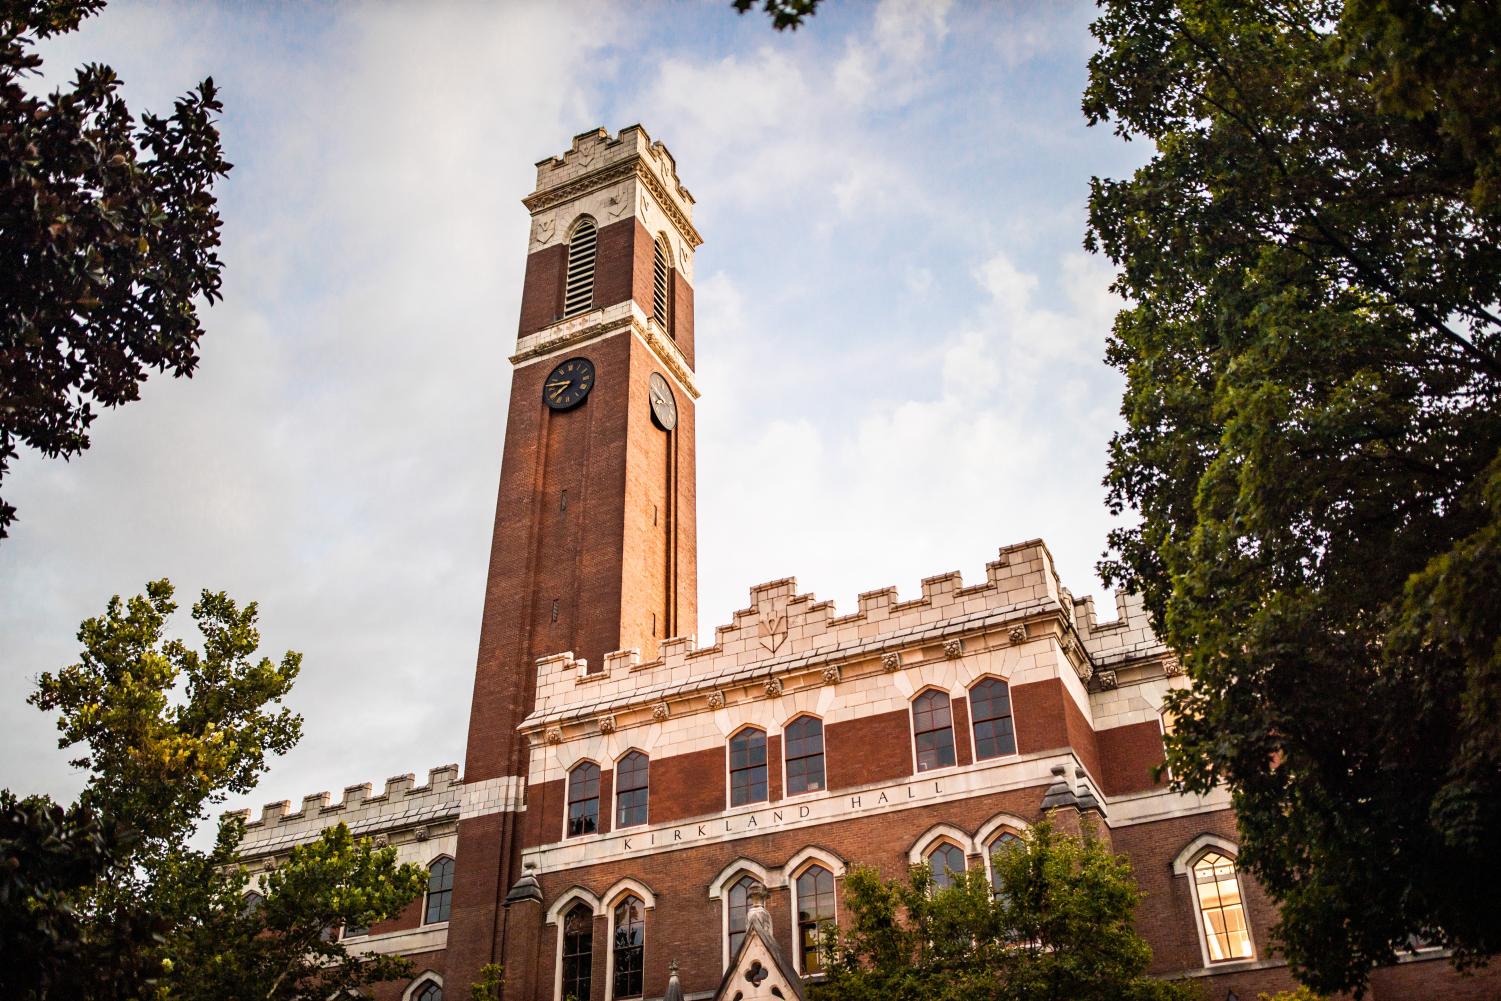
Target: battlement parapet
[
  {"x": 782, "y": 633},
  {"x": 1128, "y": 638},
  {"x": 402, "y": 803},
  {"x": 598, "y": 159}
]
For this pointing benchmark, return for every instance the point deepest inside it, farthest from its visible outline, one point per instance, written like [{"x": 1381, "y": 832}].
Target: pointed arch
[
  {"x": 422, "y": 985},
  {"x": 571, "y": 896}
]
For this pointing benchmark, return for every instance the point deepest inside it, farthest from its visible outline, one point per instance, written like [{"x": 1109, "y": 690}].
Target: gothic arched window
[
  {"x": 439, "y": 891},
  {"x": 630, "y": 789},
  {"x": 738, "y": 906},
  {"x": 946, "y": 860},
  {"x": 990, "y": 708},
  {"x": 583, "y": 799},
  {"x": 748, "y": 767},
  {"x": 933, "y": 729},
  {"x": 430, "y": 991},
  {"x": 578, "y": 952},
  {"x": 660, "y": 264},
  {"x": 1001, "y": 843},
  {"x": 578, "y": 291},
  {"x": 629, "y": 946},
  {"x": 804, "y": 750},
  {"x": 1221, "y": 908},
  {"x": 815, "y": 909}
]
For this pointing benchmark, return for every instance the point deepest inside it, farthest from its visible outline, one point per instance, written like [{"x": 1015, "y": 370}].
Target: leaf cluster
[
  {"x": 108, "y": 237},
  {"x": 1312, "y": 349},
  {"x": 1060, "y": 926},
  {"x": 784, "y": 14}
]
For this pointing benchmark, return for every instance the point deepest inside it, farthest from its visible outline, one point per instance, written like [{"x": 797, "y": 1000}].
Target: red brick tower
[{"x": 594, "y": 546}]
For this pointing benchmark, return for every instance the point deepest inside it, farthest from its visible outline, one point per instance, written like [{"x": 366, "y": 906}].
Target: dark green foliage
[
  {"x": 1062, "y": 929},
  {"x": 1313, "y": 442},
  {"x": 784, "y": 14},
  {"x": 108, "y": 230}
]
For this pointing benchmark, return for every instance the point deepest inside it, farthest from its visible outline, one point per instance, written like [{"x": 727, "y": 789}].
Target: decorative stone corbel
[
  {"x": 554, "y": 735},
  {"x": 716, "y": 699},
  {"x": 773, "y": 686},
  {"x": 420, "y": 832},
  {"x": 660, "y": 711},
  {"x": 1107, "y": 680},
  {"x": 1172, "y": 667},
  {"x": 831, "y": 674},
  {"x": 1018, "y": 634},
  {"x": 953, "y": 649},
  {"x": 891, "y": 661},
  {"x": 607, "y": 724}
]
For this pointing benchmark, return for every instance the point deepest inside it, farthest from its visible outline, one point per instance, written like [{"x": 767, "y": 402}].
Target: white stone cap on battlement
[
  {"x": 402, "y": 802},
  {"x": 596, "y": 149}
]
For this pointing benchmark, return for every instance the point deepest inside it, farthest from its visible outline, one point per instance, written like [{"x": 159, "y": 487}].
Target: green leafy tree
[
  {"x": 108, "y": 894},
  {"x": 1313, "y": 443},
  {"x": 1062, "y": 928},
  {"x": 108, "y": 237},
  {"x": 784, "y": 14}
]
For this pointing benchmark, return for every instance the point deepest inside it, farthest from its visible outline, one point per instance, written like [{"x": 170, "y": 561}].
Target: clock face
[
  {"x": 568, "y": 384},
  {"x": 664, "y": 409}
]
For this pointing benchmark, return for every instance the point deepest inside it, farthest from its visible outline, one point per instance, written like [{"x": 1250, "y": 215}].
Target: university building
[{"x": 638, "y": 813}]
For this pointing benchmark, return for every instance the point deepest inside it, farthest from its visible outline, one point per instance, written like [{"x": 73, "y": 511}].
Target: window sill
[{"x": 1235, "y": 966}]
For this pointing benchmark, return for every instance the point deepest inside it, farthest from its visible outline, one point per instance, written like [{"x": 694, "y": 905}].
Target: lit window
[
  {"x": 439, "y": 891},
  {"x": 932, "y": 724},
  {"x": 739, "y": 907},
  {"x": 430, "y": 992},
  {"x": 946, "y": 861},
  {"x": 578, "y": 952},
  {"x": 578, "y": 294},
  {"x": 630, "y": 943},
  {"x": 805, "y": 755},
  {"x": 990, "y": 705},
  {"x": 630, "y": 790},
  {"x": 659, "y": 265},
  {"x": 748, "y": 767},
  {"x": 1220, "y": 905},
  {"x": 815, "y": 909},
  {"x": 997, "y": 848},
  {"x": 583, "y": 799}
]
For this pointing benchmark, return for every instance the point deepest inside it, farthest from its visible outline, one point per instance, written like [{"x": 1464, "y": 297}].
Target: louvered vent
[
  {"x": 659, "y": 283},
  {"x": 578, "y": 294}
]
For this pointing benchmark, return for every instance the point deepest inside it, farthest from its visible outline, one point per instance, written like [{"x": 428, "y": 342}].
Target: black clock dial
[
  {"x": 664, "y": 409},
  {"x": 568, "y": 384}
]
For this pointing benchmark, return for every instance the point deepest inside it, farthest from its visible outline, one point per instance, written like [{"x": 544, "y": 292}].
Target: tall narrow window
[
  {"x": 737, "y": 907},
  {"x": 578, "y": 952},
  {"x": 630, "y": 943},
  {"x": 997, "y": 848},
  {"x": 253, "y": 903},
  {"x": 815, "y": 909},
  {"x": 748, "y": 767},
  {"x": 805, "y": 755},
  {"x": 933, "y": 728},
  {"x": 439, "y": 891},
  {"x": 1224, "y": 915},
  {"x": 578, "y": 293},
  {"x": 946, "y": 861},
  {"x": 630, "y": 789},
  {"x": 659, "y": 267},
  {"x": 990, "y": 705},
  {"x": 583, "y": 799}
]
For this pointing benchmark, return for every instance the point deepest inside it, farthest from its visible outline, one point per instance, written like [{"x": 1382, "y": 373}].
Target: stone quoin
[{"x": 640, "y": 816}]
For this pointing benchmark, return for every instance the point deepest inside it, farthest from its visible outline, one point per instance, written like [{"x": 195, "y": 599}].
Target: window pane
[
  {"x": 748, "y": 767},
  {"x": 631, "y": 790},
  {"x": 805, "y": 755},
  {"x": 1225, "y": 931},
  {"x": 815, "y": 908},
  {"x": 932, "y": 730},
  {"x": 945, "y": 860},
  {"x": 578, "y": 953},
  {"x": 583, "y": 799},
  {"x": 439, "y": 891},
  {"x": 739, "y": 905},
  {"x": 630, "y": 942}
]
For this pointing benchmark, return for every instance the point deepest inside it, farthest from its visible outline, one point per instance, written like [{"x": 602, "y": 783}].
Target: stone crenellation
[
  {"x": 786, "y": 633},
  {"x": 596, "y": 149},
  {"x": 402, "y": 803}
]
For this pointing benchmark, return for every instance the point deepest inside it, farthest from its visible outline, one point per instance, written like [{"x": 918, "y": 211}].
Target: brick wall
[{"x": 874, "y": 749}]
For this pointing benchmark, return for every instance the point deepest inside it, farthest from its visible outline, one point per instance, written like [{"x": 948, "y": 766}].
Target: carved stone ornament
[
  {"x": 773, "y": 686},
  {"x": 1018, "y": 634},
  {"x": 542, "y": 232},
  {"x": 615, "y": 207},
  {"x": 607, "y": 724},
  {"x": 381, "y": 841},
  {"x": 659, "y": 711},
  {"x": 953, "y": 649},
  {"x": 831, "y": 674},
  {"x": 420, "y": 832},
  {"x": 683, "y": 256},
  {"x": 891, "y": 661},
  {"x": 716, "y": 700},
  {"x": 554, "y": 735},
  {"x": 1172, "y": 667},
  {"x": 645, "y": 206},
  {"x": 1107, "y": 680}
]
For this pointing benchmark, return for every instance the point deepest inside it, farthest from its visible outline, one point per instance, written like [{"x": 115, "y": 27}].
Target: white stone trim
[
  {"x": 729, "y": 873},
  {"x": 1191, "y": 852},
  {"x": 813, "y": 853},
  {"x": 566, "y": 901},
  {"x": 929, "y": 839},
  {"x": 611, "y": 897},
  {"x": 423, "y": 979},
  {"x": 506, "y": 794},
  {"x": 727, "y": 878},
  {"x": 804, "y": 860},
  {"x": 1183, "y": 866},
  {"x": 992, "y": 829}
]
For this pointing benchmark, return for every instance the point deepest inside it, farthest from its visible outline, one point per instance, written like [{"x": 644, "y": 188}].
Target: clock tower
[{"x": 594, "y": 546}]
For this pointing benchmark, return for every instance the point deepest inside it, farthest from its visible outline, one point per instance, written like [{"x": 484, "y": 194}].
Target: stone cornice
[
  {"x": 625, "y": 316},
  {"x": 611, "y": 174}
]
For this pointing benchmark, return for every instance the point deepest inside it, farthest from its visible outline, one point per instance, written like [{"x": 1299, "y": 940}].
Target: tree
[
  {"x": 108, "y": 230},
  {"x": 109, "y": 897},
  {"x": 1313, "y": 443},
  {"x": 1061, "y": 928},
  {"x": 784, "y": 14}
]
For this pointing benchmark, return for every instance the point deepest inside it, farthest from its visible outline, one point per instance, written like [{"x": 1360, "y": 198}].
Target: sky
[{"x": 899, "y": 333}]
